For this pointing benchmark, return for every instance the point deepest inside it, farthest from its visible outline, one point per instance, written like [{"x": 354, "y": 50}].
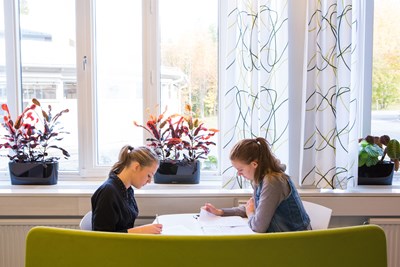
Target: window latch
[{"x": 84, "y": 62}]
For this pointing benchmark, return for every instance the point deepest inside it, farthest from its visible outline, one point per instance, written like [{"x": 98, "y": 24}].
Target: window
[
  {"x": 108, "y": 62},
  {"x": 189, "y": 60},
  {"x": 48, "y": 60},
  {"x": 105, "y": 69},
  {"x": 386, "y": 70},
  {"x": 3, "y": 91},
  {"x": 2, "y": 55},
  {"x": 118, "y": 75},
  {"x": 382, "y": 103}
]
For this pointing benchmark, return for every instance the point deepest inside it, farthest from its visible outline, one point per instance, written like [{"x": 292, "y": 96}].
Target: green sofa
[{"x": 348, "y": 246}]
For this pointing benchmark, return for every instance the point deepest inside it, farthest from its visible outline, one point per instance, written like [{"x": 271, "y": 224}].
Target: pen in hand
[{"x": 157, "y": 219}]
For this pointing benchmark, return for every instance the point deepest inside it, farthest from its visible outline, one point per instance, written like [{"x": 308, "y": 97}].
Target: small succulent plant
[{"x": 373, "y": 149}]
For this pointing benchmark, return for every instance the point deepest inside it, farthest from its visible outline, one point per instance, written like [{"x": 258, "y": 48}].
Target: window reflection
[
  {"x": 189, "y": 61},
  {"x": 118, "y": 76},
  {"x": 48, "y": 63}
]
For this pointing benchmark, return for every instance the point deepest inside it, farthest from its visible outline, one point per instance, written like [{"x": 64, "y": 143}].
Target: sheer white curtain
[
  {"x": 255, "y": 76},
  {"x": 333, "y": 55}
]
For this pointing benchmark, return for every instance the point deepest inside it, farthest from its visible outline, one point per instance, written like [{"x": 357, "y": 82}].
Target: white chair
[
  {"x": 86, "y": 222},
  {"x": 319, "y": 215}
]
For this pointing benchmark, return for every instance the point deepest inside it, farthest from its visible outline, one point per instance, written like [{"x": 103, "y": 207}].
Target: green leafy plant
[
  {"x": 31, "y": 137},
  {"x": 373, "y": 150},
  {"x": 178, "y": 136}
]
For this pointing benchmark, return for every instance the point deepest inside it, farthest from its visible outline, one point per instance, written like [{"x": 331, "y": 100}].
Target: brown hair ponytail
[
  {"x": 145, "y": 156},
  {"x": 258, "y": 150}
]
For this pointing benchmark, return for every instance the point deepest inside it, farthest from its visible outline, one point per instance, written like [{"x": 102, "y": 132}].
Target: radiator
[
  {"x": 13, "y": 235},
  {"x": 391, "y": 226}
]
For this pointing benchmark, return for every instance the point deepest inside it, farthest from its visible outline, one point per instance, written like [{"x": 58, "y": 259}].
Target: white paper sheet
[
  {"x": 209, "y": 219},
  {"x": 177, "y": 230}
]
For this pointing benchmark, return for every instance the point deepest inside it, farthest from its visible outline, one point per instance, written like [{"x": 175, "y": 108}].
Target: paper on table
[
  {"x": 208, "y": 219},
  {"x": 177, "y": 230}
]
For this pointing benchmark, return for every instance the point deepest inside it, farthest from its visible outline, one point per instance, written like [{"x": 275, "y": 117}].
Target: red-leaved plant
[
  {"x": 178, "y": 137},
  {"x": 32, "y": 134}
]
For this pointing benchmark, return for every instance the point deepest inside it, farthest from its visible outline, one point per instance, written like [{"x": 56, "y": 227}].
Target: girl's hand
[
  {"x": 147, "y": 229},
  {"x": 211, "y": 209},
  {"x": 250, "y": 207}
]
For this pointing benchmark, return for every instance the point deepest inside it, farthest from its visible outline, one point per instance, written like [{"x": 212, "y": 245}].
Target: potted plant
[
  {"x": 180, "y": 140},
  {"x": 29, "y": 140},
  {"x": 372, "y": 168}
]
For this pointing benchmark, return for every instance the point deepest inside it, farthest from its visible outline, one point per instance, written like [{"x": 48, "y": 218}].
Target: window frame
[
  {"x": 366, "y": 79},
  {"x": 85, "y": 41}
]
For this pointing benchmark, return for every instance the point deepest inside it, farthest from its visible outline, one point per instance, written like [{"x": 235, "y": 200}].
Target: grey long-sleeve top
[{"x": 273, "y": 192}]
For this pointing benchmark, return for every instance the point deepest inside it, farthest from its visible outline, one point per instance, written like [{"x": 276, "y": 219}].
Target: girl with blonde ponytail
[
  {"x": 114, "y": 207},
  {"x": 276, "y": 205}
]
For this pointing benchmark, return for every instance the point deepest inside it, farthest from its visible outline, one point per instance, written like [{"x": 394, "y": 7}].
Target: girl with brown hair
[{"x": 276, "y": 205}]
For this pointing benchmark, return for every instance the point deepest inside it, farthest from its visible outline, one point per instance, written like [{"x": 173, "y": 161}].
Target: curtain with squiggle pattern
[
  {"x": 330, "y": 105},
  {"x": 255, "y": 93}
]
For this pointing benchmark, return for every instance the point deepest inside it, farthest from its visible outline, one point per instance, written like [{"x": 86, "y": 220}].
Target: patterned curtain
[
  {"x": 330, "y": 145},
  {"x": 255, "y": 93}
]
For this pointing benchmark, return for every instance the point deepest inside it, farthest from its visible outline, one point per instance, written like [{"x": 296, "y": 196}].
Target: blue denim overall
[{"x": 290, "y": 215}]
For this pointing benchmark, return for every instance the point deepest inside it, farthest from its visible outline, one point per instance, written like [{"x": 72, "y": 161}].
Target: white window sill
[{"x": 87, "y": 187}]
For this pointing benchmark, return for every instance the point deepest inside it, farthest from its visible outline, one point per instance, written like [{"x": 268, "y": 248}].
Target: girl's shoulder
[
  {"x": 276, "y": 180},
  {"x": 278, "y": 184},
  {"x": 277, "y": 177},
  {"x": 109, "y": 185}
]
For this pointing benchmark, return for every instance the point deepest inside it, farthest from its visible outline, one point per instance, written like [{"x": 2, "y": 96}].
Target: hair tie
[{"x": 130, "y": 149}]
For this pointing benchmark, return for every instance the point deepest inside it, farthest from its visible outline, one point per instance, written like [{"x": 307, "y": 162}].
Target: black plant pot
[
  {"x": 178, "y": 172},
  {"x": 379, "y": 174},
  {"x": 35, "y": 173}
]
